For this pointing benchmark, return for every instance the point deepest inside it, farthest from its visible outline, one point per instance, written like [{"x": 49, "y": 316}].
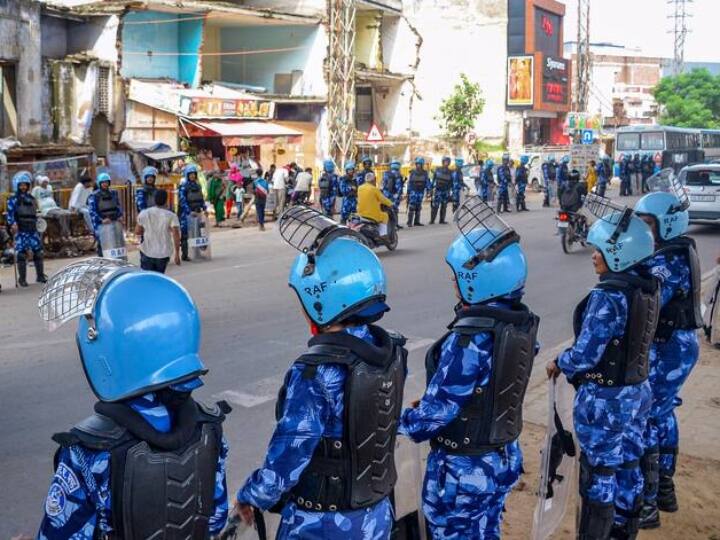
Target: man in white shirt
[
  {"x": 79, "y": 200},
  {"x": 159, "y": 229},
  {"x": 303, "y": 182},
  {"x": 279, "y": 181}
]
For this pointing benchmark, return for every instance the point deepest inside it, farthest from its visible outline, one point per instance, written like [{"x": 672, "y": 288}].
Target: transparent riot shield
[
  {"x": 198, "y": 238},
  {"x": 559, "y": 467},
  {"x": 112, "y": 241}
]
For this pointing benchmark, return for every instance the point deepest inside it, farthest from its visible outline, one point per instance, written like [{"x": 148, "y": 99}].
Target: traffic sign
[
  {"x": 374, "y": 135},
  {"x": 588, "y": 136}
]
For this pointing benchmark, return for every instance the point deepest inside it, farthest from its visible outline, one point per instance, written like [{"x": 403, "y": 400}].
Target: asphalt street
[{"x": 252, "y": 330}]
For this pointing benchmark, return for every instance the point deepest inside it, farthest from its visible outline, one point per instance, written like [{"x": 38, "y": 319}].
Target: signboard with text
[{"x": 555, "y": 81}]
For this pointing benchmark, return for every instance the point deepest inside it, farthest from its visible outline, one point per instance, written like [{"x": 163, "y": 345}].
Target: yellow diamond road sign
[{"x": 374, "y": 135}]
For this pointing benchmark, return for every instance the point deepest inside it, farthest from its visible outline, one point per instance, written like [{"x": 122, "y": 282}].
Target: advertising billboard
[
  {"x": 555, "y": 81},
  {"x": 520, "y": 71}
]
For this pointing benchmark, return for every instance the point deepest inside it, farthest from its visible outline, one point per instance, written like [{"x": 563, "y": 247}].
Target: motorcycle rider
[
  {"x": 563, "y": 172},
  {"x": 104, "y": 207},
  {"x": 392, "y": 184},
  {"x": 608, "y": 364},
  {"x": 22, "y": 219},
  {"x": 418, "y": 184},
  {"x": 549, "y": 170},
  {"x": 121, "y": 472},
  {"x": 458, "y": 183},
  {"x": 145, "y": 195},
  {"x": 571, "y": 196},
  {"x": 191, "y": 201},
  {"x": 486, "y": 180},
  {"x": 441, "y": 191},
  {"x": 348, "y": 190},
  {"x": 367, "y": 164},
  {"x": 521, "y": 182},
  {"x": 504, "y": 177},
  {"x": 347, "y": 388},
  {"x": 371, "y": 201},
  {"x": 675, "y": 349},
  {"x": 471, "y": 470},
  {"x": 329, "y": 187}
]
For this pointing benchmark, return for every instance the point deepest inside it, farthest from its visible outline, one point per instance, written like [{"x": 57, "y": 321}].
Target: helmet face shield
[
  {"x": 308, "y": 230},
  {"x": 484, "y": 230},
  {"x": 612, "y": 213},
  {"x": 666, "y": 181}
]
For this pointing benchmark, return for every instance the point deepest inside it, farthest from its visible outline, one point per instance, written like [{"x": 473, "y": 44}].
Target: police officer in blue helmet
[
  {"x": 393, "y": 183},
  {"x": 328, "y": 184},
  {"x": 191, "y": 201},
  {"x": 487, "y": 179},
  {"x": 458, "y": 183},
  {"x": 521, "y": 182},
  {"x": 504, "y": 177},
  {"x": 418, "y": 185},
  {"x": 145, "y": 194},
  {"x": 675, "y": 349},
  {"x": 477, "y": 374},
  {"x": 121, "y": 472},
  {"x": 367, "y": 164},
  {"x": 320, "y": 472},
  {"x": 441, "y": 190},
  {"x": 348, "y": 187},
  {"x": 22, "y": 218},
  {"x": 103, "y": 206},
  {"x": 608, "y": 364},
  {"x": 563, "y": 172}
]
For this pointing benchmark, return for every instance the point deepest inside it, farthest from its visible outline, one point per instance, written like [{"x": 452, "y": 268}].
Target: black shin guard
[
  {"x": 39, "y": 267},
  {"x": 433, "y": 213},
  {"x": 596, "y": 520},
  {"x": 21, "y": 263}
]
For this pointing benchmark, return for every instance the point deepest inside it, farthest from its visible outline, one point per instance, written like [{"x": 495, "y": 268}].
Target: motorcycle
[
  {"x": 573, "y": 229},
  {"x": 112, "y": 241},
  {"x": 369, "y": 229},
  {"x": 198, "y": 238}
]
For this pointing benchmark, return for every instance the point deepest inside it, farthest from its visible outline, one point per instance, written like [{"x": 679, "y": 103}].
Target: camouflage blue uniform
[
  {"x": 328, "y": 202},
  {"x": 602, "y": 179},
  {"x": 521, "y": 182},
  {"x": 670, "y": 364},
  {"x": 95, "y": 215},
  {"x": 440, "y": 196},
  {"x": 504, "y": 178},
  {"x": 463, "y": 496},
  {"x": 313, "y": 409},
  {"x": 625, "y": 188},
  {"x": 23, "y": 240},
  {"x": 348, "y": 190},
  {"x": 486, "y": 179},
  {"x": 140, "y": 199},
  {"x": 609, "y": 421},
  {"x": 78, "y": 505},
  {"x": 184, "y": 207},
  {"x": 361, "y": 176},
  {"x": 549, "y": 171},
  {"x": 392, "y": 187},
  {"x": 458, "y": 184},
  {"x": 416, "y": 197},
  {"x": 563, "y": 174}
]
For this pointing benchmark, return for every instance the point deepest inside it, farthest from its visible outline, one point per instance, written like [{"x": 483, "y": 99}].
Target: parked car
[
  {"x": 471, "y": 172},
  {"x": 702, "y": 184},
  {"x": 535, "y": 172}
]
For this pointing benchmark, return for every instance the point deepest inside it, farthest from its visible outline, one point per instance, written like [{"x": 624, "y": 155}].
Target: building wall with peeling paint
[
  {"x": 20, "y": 46},
  {"x": 157, "y": 45}
]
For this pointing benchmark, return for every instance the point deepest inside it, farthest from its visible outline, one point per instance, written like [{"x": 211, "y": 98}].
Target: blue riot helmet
[
  {"x": 459, "y": 162},
  {"x": 349, "y": 165},
  {"x": 566, "y": 159},
  {"x": 395, "y": 165},
  {"x": 551, "y": 159},
  {"x": 489, "y": 164},
  {"x": 505, "y": 158},
  {"x": 21, "y": 177},
  {"x": 149, "y": 172},
  {"x": 336, "y": 277},
  {"x": 188, "y": 170},
  {"x": 420, "y": 161},
  {"x": 486, "y": 258},
  {"x": 103, "y": 178},
  {"x": 524, "y": 159},
  {"x": 367, "y": 161},
  {"x": 622, "y": 238},
  {"x": 127, "y": 347},
  {"x": 329, "y": 166},
  {"x": 667, "y": 205},
  {"x": 446, "y": 161}
]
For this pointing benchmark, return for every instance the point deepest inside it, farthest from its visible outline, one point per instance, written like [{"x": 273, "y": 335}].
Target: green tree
[
  {"x": 459, "y": 111},
  {"x": 689, "y": 99}
]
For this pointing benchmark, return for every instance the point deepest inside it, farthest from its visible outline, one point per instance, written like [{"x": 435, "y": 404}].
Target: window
[
  {"x": 702, "y": 178},
  {"x": 653, "y": 141},
  {"x": 363, "y": 108},
  {"x": 711, "y": 140},
  {"x": 8, "y": 110},
  {"x": 628, "y": 141},
  {"x": 678, "y": 140},
  {"x": 104, "y": 92}
]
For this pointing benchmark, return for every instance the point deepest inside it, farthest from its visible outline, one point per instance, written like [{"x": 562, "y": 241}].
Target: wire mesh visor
[
  {"x": 309, "y": 231},
  {"x": 476, "y": 215},
  {"x": 72, "y": 291},
  {"x": 603, "y": 208},
  {"x": 667, "y": 181}
]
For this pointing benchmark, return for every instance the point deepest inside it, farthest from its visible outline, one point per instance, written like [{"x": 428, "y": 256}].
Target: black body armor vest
[
  {"x": 25, "y": 213},
  {"x": 358, "y": 470},
  {"x": 682, "y": 312},
  {"x": 625, "y": 360},
  {"x": 551, "y": 171},
  {"x": 492, "y": 417},
  {"x": 325, "y": 184},
  {"x": 194, "y": 197},
  {"x": 417, "y": 181},
  {"x": 149, "y": 195},
  {"x": 521, "y": 175},
  {"x": 162, "y": 485},
  {"x": 393, "y": 182},
  {"x": 443, "y": 179},
  {"x": 107, "y": 205}
]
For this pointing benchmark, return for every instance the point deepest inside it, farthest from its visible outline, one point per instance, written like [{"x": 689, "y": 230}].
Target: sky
[{"x": 645, "y": 24}]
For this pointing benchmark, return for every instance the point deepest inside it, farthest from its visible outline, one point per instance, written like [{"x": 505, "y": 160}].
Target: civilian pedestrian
[
  {"x": 261, "y": 187},
  {"x": 79, "y": 200},
  {"x": 303, "y": 181},
  {"x": 216, "y": 196},
  {"x": 159, "y": 229},
  {"x": 279, "y": 187},
  {"x": 239, "y": 196}
]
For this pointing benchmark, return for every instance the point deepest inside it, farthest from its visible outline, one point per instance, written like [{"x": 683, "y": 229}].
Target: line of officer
[
  {"x": 504, "y": 177},
  {"x": 521, "y": 182},
  {"x": 418, "y": 185},
  {"x": 441, "y": 188},
  {"x": 329, "y": 187},
  {"x": 104, "y": 207},
  {"x": 458, "y": 183},
  {"x": 145, "y": 194},
  {"x": 22, "y": 218},
  {"x": 348, "y": 190},
  {"x": 191, "y": 201}
]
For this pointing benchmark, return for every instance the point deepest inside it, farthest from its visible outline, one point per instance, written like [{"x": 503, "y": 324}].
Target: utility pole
[
  {"x": 680, "y": 14},
  {"x": 341, "y": 78},
  {"x": 582, "y": 86}
]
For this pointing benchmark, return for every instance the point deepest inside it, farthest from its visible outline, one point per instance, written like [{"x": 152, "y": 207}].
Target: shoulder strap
[
  {"x": 98, "y": 432},
  {"x": 214, "y": 412}
]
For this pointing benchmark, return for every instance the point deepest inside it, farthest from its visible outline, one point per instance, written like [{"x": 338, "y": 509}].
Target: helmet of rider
[
  {"x": 636, "y": 157},
  {"x": 21, "y": 177},
  {"x": 349, "y": 165},
  {"x": 524, "y": 159},
  {"x": 666, "y": 206},
  {"x": 574, "y": 176},
  {"x": 486, "y": 258},
  {"x": 114, "y": 329},
  {"x": 103, "y": 178},
  {"x": 149, "y": 172},
  {"x": 446, "y": 161},
  {"x": 336, "y": 277},
  {"x": 329, "y": 166},
  {"x": 420, "y": 161},
  {"x": 551, "y": 159},
  {"x": 395, "y": 165},
  {"x": 189, "y": 169}
]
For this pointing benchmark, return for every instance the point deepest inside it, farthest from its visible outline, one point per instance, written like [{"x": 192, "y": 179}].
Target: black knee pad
[{"x": 650, "y": 466}]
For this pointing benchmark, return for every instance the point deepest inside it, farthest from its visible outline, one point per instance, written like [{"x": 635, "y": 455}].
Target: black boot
[
  {"x": 649, "y": 516},
  {"x": 417, "y": 218},
  {"x": 184, "y": 246},
  {"x": 443, "y": 211},
  {"x": 22, "y": 271},
  {"x": 596, "y": 520},
  {"x": 666, "y": 499},
  {"x": 433, "y": 214},
  {"x": 410, "y": 217},
  {"x": 39, "y": 268}
]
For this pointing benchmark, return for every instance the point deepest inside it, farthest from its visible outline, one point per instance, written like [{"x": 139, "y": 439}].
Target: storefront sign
[
  {"x": 548, "y": 29},
  {"x": 555, "y": 81},
  {"x": 226, "y": 108},
  {"x": 520, "y": 81}
]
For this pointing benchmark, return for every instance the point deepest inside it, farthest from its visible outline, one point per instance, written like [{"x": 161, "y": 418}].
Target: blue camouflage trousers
[
  {"x": 328, "y": 205},
  {"x": 349, "y": 206},
  {"x": 609, "y": 424},
  {"x": 394, "y": 197},
  {"x": 440, "y": 197},
  {"x": 27, "y": 240},
  {"x": 415, "y": 199},
  {"x": 373, "y": 523},
  {"x": 464, "y": 496},
  {"x": 670, "y": 366}
]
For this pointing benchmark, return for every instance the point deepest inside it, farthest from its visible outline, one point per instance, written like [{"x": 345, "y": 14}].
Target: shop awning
[
  {"x": 163, "y": 156},
  {"x": 246, "y": 132}
]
